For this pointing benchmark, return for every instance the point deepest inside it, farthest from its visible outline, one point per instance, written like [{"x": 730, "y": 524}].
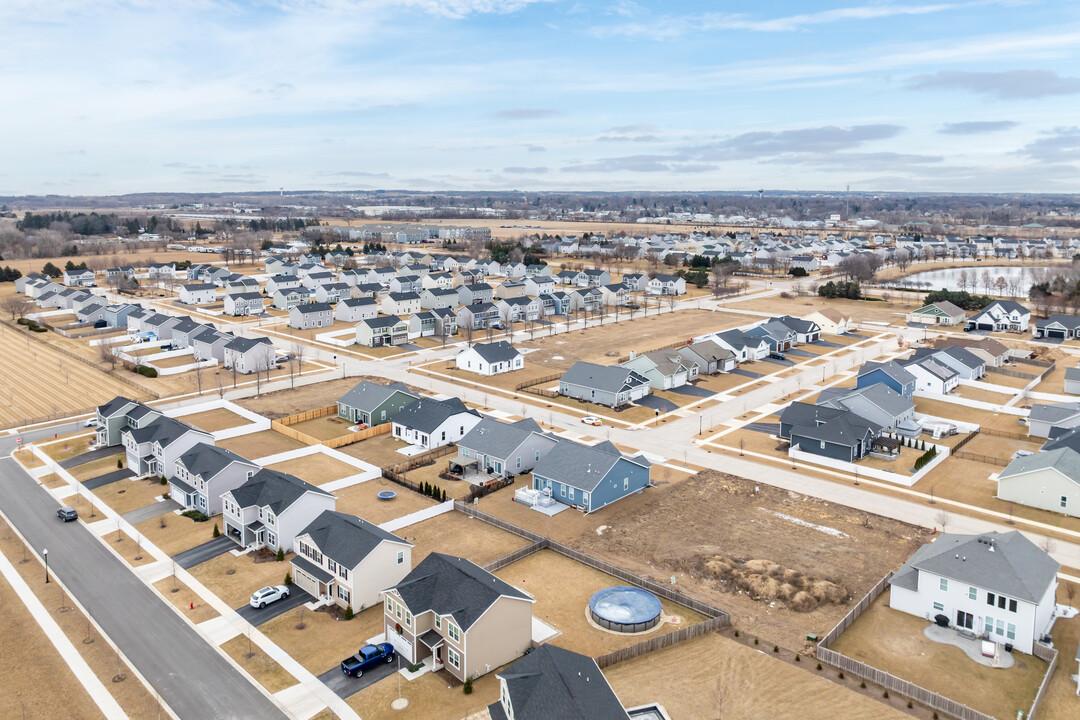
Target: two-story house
[
  {"x": 382, "y": 331},
  {"x": 311, "y": 315},
  {"x": 204, "y": 473},
  {"x": 198, "y": 293},
  {"x": 270, "y": 508},
  {"x": 245, "y": 303},
  {"x": 400, "y": 303},
  {"x": 355, "y": 309},
  {"x": 588, "y": 477},
  {"x": 118, "y": 414},
  {"x": 248, "y": 355},
  {"x": 1000, "y": 316},
  {"x": 666, "y": 285},
  {"x": 154, "y": 448}
]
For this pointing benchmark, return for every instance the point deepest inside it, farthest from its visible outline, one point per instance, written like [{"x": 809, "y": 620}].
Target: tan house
[
  {"x": 348, "y": 560},
  {"x": 450, "y": 613},
  {"x": 831, "y": 321}
]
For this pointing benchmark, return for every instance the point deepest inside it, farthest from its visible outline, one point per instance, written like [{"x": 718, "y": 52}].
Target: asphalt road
[{"x": 190, "y": 675}]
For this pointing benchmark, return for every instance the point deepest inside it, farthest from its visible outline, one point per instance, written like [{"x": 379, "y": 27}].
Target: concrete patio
[{"x": 972, "y": 647}]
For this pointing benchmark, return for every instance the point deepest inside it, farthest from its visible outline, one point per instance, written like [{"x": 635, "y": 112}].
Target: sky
[{"x": 118, "y": 96}]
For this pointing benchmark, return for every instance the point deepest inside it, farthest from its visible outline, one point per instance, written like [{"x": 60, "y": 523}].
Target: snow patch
[{"x": 802, "y": 523}]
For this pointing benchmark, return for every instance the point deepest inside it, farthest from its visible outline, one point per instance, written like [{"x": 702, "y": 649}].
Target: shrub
[
  {"x": 414, "y": 667},
  {"x": 217, "y": 533},
  {"x": 909, "y": 705},
  {"x": 288, "y": 575},
  {"x": 776, "y": 648},
  {"x": 467, "y": 688},
  {"x": 885, "y": 694},
  {"x": 196, "y": 515},
  {"x": 736, "y": 633},
  {"x": 819, "y": 666},
  {"x": 755, "y": 641},
  {"x": 146, "y": 371},
  {"x": 119, "y": 464},
  {"x": 38, "y": 328},
  {"x": 348, "y": 614},
  {"x": 22, "y": 321},
  {"x": 797, "y": 658},
  {"x": 841, "y": 675},
  {"x": 280, "y": 556},
  {"x": 163, "y": 481},
  {"x": 798, "y": 272},
  {"x": 862, "y": 684}
]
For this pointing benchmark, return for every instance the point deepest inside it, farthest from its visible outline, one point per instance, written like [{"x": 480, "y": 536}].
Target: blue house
[
  {"x": 589, "y": 477},
  {"x": 890, "y": 373}
]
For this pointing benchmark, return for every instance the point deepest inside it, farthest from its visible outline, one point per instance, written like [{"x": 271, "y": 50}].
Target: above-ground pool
[
  {"x": 625, "y": 609},
  {"x": 387, "y": 495}
]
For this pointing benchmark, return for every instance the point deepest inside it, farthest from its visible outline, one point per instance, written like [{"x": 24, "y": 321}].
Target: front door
[{"x": 964, "y": 620}]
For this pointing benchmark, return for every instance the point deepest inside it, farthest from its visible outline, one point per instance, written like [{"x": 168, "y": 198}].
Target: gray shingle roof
[
  {"x": 427, "y": 414},
  {"x": 162, "y": 430},
  {"x": 608, "y": 378},
  {"x": 498, "y": 439},
  {"x": 1062, "y": 458},
  {"x": 453, "y": 586},
  {"x": 551, "y": 682},
  {"x": 494, "y": 352},
  {"x": 368, "y": 395},
  {"x": 879, "y": 394},
  {"x": 206, "y": 460},
  {"x": 581, "y": 466},
  {"x": 347, "y": 539},
  {"x": 273, "y": 489},
  {"x": 313, "y": 308},
  {"x": 1011, "y": 566},
  {"x": 1053, "y": 412},
  {"x": 892, "y": 368},
  {"x": 242, "y": 344}
]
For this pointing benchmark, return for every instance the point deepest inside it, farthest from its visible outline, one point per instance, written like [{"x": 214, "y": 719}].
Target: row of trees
[{"x": 849, "y": 290}]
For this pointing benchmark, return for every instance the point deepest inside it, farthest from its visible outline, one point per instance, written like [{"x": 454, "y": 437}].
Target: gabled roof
[
  {"x": 551, "y": 683},
  {"x": 1062, "y": 458},
  {"x": 357, "y": 302},
  {"x": 798, "y": 325},
  {"x": 368, "y": 395},
  {"x": 494, "y": 352},
  {"x": 879, "y": 394},
  {"x": 1006, "y": 563},
  {"x": 499, "y": 439},
  {"x": 931, "y": 366},
  {"x": 382, "y": 321},
  {"x": 1069, "y": 322},
  {"x": 846, "y": 429},
  {"x": 347, "y": 539},
  {"x": 206, "y": 460},
  {"x": 708, "y": 350},
  {"x": 453, "y": 586},
  {"x": 193, "y": 287},
  {"x": 162, "y": 430},
  {"x": 987, "y": 345},
  {"x": 892, "y": 368},
  {"x": 1053, "y": 412},
  {"x": 427, "y": 414},
  {"x": 311, "y": 308},
  {"x": 403, "y": 296},
  {"x": 114, "y": 406},
  {"x": 582, "y": 466},
  {"x": 608, "y": 378},
  {"x": 273, "y": 489},
  {"x": 242, "y": 344}
]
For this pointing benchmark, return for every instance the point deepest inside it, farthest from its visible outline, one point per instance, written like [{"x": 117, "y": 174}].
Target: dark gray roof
[
  {"x": 346, "y": 539},
  {"x": 1053, "y": 412},
  {"x": 403, "y": 296},
  {"x": 582, "y": 466},
  {"x": 246, "y": 296},
  {"x": 427, "y": 414},
  {"x": 313, "y": 308},
  {"x": 609, "y": 378},
  {"x": 199, "y": 286},
  {"x": 879, "y": 394},
  {"x": 208, "y": 460},
  {"x": 381, "y": 321},
  {"x": 1062, "y": 458},
  {"x": 493, "y": 352},
  {"x": 368, "y": 395},
  {"x": 114, "y": 406},
  {"x": 892, "y": 368},
  {"x": 453, "y": 586},
  {"x": 273, "y": 489},
  {"x": 358, "y": 302},
  {"x": 1070, "y": 322},
  {"x": 499, "y": 439},
  {"x": 312, "y": 569},
  {"x": 162, "y": 430},
  {"x": 1006, "y": 563},
  {"x": 551, "y": 683},
  {"x": 738, "y": 339},
  {"x": 931, "y": 366},
  {"x": 798, "y": 325},
  {"x": 242, "y": 345}
]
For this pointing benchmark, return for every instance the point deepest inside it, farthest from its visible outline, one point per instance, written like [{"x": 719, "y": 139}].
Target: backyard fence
[
  {"x": 282, "y": 426},
  {"x": 1010, "y": 373},
  {"x": 397, "y": 472},
  {"x": 1004, "y": 433},
  {"x": 1038, "y": 363},
  {"x": 669, "y": 346},
  {"x": 25, "y": 422},
  {"x": 662, "y": 641},
  {"x": 979, "y": 457},
  {"x": 309, "y": 415},
  {"x": 965, "y": 441},
  {"x": 1050, "y": 655},
  {"x": 537, "y": 381}
]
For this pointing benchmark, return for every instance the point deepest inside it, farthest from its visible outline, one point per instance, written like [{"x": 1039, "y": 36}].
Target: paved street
[{"x": 190, "y": 675}]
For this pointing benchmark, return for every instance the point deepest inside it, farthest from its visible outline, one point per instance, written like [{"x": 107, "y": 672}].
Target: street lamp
[{"x": 45, "y": 554}]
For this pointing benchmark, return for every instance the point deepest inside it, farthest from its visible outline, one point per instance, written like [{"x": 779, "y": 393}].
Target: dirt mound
[{"x": 767, "y": 581}]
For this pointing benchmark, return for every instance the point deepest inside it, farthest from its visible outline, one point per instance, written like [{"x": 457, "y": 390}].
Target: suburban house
[
  {"x": 438, "y": 280},
  {"x": 831, "y": 321},
  {"x": 539, "y": 285},
  {"x": 666, "y": 285},
  {"x": 270, "y": 508},
  {"x": 588, "y": 299},
  {"x": 994, "y": 353},
  {"x": 400, "y": 303},
  {"x": 198, "y": 293},
  {"x": 1000, "y": 316},
  {"x": 709, "y": 357},
  {"x": 369, "y": 403},
  {"x": 1048, "y": 480},
  {"x": 551, "y": 682},
  {"x": 478, "y": 316},
  {"x": 355, "y": 309},
  {"x": 1000, "y": 585},
  {"x": 510, "y": 289},
  {"x": 610, "y": 385},
  {"x": 939, "y": 313},
  {"x": 79, "y": 278},
  {"x": 779, "y": 336},
  {"x": 248, "y": 355},
  {"x": 247, "y": 303},
  {"x": 1072, "y": 381},
  {"x": 636, "y": 282},
  {"x": 432, "y": 423},
  {"x": 502, "y": 449},
  {"x": 519, "y": 309},
  {"x": 439, "y": 298},
  {"x": 931, "y": 376},
  {"x": 450, "y": 613},
  {"x": 1047, "y": 420},
  {"x": 589, "y": 477},
  {"x": 204, "y": 473},
  {"x": 405, "y": 283},
  {"x": 348, "y": 560},
  {"x": 809, "y": 263},
  {"x": 806, "y": 331},
  {"x": 281, "y": 282},
  {"x": 597, "y": 278},
  {"x": 958, "y": 359},
  {"x": 382, "y": 331},
  {"x": 745, "y": 347},
  {"x": 472, "y": 293},
  {"x": 209, "y": 344},
  {"x": 333, "y": 292},
  {"x": 161, "y": 270},
  {"x": 665, "y": 369},
  {"x": 1057, "y": 327},
  {"x": 878, "y": 403},
  {"x": 128, "y": 273},
  {"x": 839, "y": 434},
  {"x": 311, "y": 315},
  {"x": 240, "y": 284},
  {"x": 492, "y": 358},
  {"x": 288, "y": 298},
  {"x": 445, "y": 322},
  {"x": 890, "y": 373},
  {"x": 154, "y": 448},
  {"x": 119, "y": 414},
  {"x": 614, "y": 295},
  {"x": 538, "y": 270}
]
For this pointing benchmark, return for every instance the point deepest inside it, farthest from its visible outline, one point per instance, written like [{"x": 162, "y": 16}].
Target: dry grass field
[
  {"x": 892, "y": 312},
  {"x": 214, "y": 420},
  {"x": 324, "y": 428},
  {"x": 453, "y": 533},
  {"x": 713, "y": 676},
  {"x": 281, "y": 403},
  {"x": 246, "y": 577},
  {"x": 126, "y": 495},
  {"x": 258, "y": 664},
  {"x": 433, "y": 696},
  {"x": 182, "y": 597},
  {"x": 317, "y": 640},
  {"x": 893, "y": 641},
  {"x": 315, "y": 469},
  {"x": 361, "y": 500},
  {"x": 179, "y": 534},
  {"x": 260, "y": 444}
]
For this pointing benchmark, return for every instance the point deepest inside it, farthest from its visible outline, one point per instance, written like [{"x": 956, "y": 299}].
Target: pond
[{"x": 977, "y": 278}]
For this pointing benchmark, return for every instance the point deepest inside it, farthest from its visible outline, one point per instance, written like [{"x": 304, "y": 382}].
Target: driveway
[
  {"x": 91, "y": 456},
  {"x": 257, "y": 617},
  {"x": 745, "y": 373},
  {"x": 763, "y": 427},
  {"x": 100, "y": 480},
  {"x": 774, "y": 361},
  {"x": 207, "y": 551},
  {"x": 151, "y": 511},
  {"x": 800, "y": 353},
  {"x": 658, "y": 403},
  {"x": 693, "y": 391},
  {"x": 828, "y": 344},
  {"x": 345, "y": 686}
]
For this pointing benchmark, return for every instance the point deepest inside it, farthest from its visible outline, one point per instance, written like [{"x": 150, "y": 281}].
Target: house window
[
  {"x": 342, "y": 593},
  {"x": 519, "y": 463},
  {"x": 939, "y": 607},
  {"x": 990, "y": 599},
  {"x": 397, "y": 611},
  {"x": 1064, "y": 501},
  {"x": 536, "y": 455},
  {"x": 626, "y": 483},
  {"x": 972, "y": 593},
  {"x": 400, "y": 557},
  {"x": 571, "y": 493},
  {"x": 944, "y": 584},
  {"x": 408, "y": 618},
  {"x": 453, "y": 631},
  {"x": 453, "y": 657},
  {"x": 331, "y": 566},
  {"x": 1001, "y": 601},
  {"x": 1010, "y": 631},
  {"x": 343, "y": 573},
  {"x": 438, "y": 621},
  {"x": 988, "y": 627},
  {"x": 1000, "y": 629},
  {"x": 562, "y": 490},
  {"x": 390, "y": 605},
  {"x": 271, "y": 539},
  {"x": 1012, "y": 606}
]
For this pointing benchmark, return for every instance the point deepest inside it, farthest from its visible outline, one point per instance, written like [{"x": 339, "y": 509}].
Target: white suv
[{"x": 268, "y": 594}]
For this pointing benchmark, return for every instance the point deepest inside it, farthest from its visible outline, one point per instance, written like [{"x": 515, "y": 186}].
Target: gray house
[
  {"x": 119, "y": 414},
  {"x": 612, "y": 385},
  {"x": 369, "y": 403},
  {"x": 878, "y": 403},
  {"x": 820, "y": 430},
  {"x": 248, "y": 355},
  {"x": 501, "y": 449},
  {"x": 271, "y": 508},
  {"x": 204, "y": 473},
  {"x": 312, "y": 315},
  {"x": 709, "y": 357},
  {"x": 1049, "y": 419},
  {"x": 154, "y": 448}
]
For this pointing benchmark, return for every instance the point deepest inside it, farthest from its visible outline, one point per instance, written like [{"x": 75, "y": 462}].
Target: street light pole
[{"x": 45, "y": 554}]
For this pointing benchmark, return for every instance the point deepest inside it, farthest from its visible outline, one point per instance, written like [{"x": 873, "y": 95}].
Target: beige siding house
[{"x": 831, "y": 321}]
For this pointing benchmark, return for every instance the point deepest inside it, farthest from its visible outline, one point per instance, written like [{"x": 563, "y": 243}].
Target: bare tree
[
  {"x": 299, "y": 350},
  {"x": 107, "y": 356},
  {"x": 220, "y": 385},
  {"x": 942, "y": 517},
  {"x": 16, "y": 305},
  {"x": 198, "y": 370},
  {"x": 467, "y": 332}
]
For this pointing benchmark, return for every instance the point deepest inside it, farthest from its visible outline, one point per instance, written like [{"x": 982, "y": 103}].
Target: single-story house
[
  {"x": 492, "y": 358},
  {"x": 589, "y": 477},
  {"x": 1048, "y": 480},
  {"x": 610, "y": 385},
  {"x": 939, "y": 313},
  {"x": 502, "y": 449},
  {"x": 665, "y": 369},
  {"x": 831, "y": 321},
  {"x": 432, "y": 423},
  {"x": 369, "y": 403}
]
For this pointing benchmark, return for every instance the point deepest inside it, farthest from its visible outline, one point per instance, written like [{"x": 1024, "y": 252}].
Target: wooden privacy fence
[
  {"x": 309, "y": 415},
  {"x": 1037, "y": 363},
  {"x": 662, "y": 641},
  {"x": 1010, "y": 373},
  {"x": 282, "y": 426},
  {"x": 417, "y": 461},
  {"x": 669, "y": 346},
  {"x": 1050, "y": 655}
]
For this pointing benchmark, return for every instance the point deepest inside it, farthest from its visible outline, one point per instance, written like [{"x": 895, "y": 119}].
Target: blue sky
[{"x": 111, "y": 96}]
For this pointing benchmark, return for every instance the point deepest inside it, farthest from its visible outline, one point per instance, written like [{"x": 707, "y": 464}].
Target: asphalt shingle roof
[
  {"x": 347, "y": 539},
  {"x": 427, "y": 414},
  {"x": 608, "y": 378},
  {"x": 581, "y": 466},
  {"x": 551, "y": 682},
  {"x": 494, "y": 352},
  {"x": 273, "y": 489},
  {"x": 206, "y": 460},
  {"x": 368, "y": 395}
]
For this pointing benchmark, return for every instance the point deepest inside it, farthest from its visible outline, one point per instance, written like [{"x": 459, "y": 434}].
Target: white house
[
  {"x": 831, "y": 321},
  {"x": 311, "y": 315},
  {"x": 248, "y": 355},
  {"x": 666, "y": 285},
  {"x": 246, "y": 303},
  {"x": 403, "y": 303},
  {"x": 1048, "y": 480},
  {"x": 198, "y": 293},
  {"x": 432, "y": 423},
  {"x": 492, "y": 358},
  {"x": 356, "y": 309},
  {"x": 931, "y": 377},
  {"x": 998, "y": 585},
  {"x": 1001, "y": 316}
]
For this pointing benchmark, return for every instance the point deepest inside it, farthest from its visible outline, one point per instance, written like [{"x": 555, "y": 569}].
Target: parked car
[
  {"x": 92, "y": 422},
  {"x": 778, "y": 356},
  {"x": 67, "y": 514},
  {"x": 269, "y": 594},
  {"x": 592, "y": 420},
  {"x": 369, "y": 656}
]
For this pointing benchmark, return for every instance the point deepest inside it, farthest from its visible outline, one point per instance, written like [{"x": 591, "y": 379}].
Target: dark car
[
  {"x": 67, "y": 514},
  {"x": 369, "y": 656},
  {"x": 778, "y": 356}
]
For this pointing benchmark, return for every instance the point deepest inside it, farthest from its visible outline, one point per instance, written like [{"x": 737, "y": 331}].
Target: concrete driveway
[
  {"x": 101, "y": 480},
  {"x": 775, "y": 361},
  {"x": 800, "y": 353},
  {"x": 207, "y": 551},
  {"x": 151, "y": 511},
  {"x": 345, "y": 686},
  {"x": 745, "y": 373},
  {"x": 658, "y": 403},
  {"x": 257, "y": 617},
  {"x": 763, "y": 427},
  {"x": 91, "y": 456}
]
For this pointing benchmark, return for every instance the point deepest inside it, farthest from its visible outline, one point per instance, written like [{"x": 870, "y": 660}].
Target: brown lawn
[
  {"x": 1060, "y": 699},
  {"x": 361, "y": 500},
  {"x": 282, "y": 403},
  {"x": 70, "y": 446},
  {"x": 433, "y": 695},
  {"x": 893, "y": 641},
  {"x": 258, "y": 664},
  {"x": 97, "y": 468},
  {"x": 260, "y": 444},
  {"x": 380, "y": 451},
  {"x": 981, "y": 395},
  {"x": 324, "y": 428},
  {"x": 127, "y": 495},
  {"x": 454, "y": 533},
  {"x": 323, "y": 642},
  {"x": 247, "y": 576},
  {"x": 216, "y": 419},
  {"x": 957, "y": 411},
  {"x": 179, "y": 534},
  {"x": 182, "y": 597},
  {"x": 316, "y": 469},
  {"x": 129, "y": 548}
]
